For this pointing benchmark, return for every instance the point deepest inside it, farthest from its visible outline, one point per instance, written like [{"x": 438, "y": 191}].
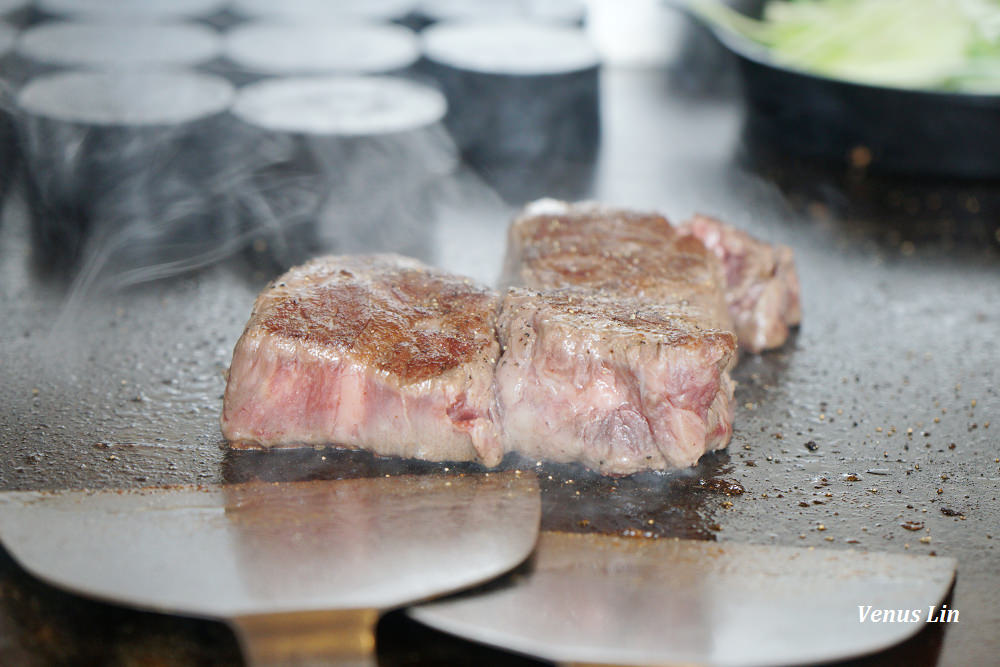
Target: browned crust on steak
[
  {"x": 678, "y": 323},
  {"x": 392, "y": 313},
  {"x": 373, "y": 352},
  {"x": 554, "y": 245}
]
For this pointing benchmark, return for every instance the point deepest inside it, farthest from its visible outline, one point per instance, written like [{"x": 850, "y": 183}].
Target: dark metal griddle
[{"x": 883, "y": 410}]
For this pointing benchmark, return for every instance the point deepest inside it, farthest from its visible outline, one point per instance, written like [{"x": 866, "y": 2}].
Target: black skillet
[{"x": 890, "y": 129}]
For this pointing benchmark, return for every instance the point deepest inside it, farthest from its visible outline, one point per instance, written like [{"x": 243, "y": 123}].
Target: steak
[
  {"x": 762, "y": 286},
  {"x": 619, "y": 384},
  {"x": 612, "y": 346},
  {"x": 554, "y": 244},
  {"x": 616, "y": 351},
  {"x": 375, "y": 352}
]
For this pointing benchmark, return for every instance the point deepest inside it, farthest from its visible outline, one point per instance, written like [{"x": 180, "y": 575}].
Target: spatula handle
[{"x": 344, "y": 638}]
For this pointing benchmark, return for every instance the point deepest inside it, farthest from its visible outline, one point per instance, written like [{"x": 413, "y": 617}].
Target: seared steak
[
  {"x": 618, "y": 352},
  {"x": 378, "y": 352},
  {"x": 762, "y": 286},
  {"x": 554, "y": 244},
  {"x": 612, "y": 348},
  {"x": 618, "y": 384}
]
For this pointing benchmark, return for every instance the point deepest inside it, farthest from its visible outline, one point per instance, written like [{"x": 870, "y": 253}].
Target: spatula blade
[
  {"x": 600, "y": 599},
  {"x": 260, "y": 548}
]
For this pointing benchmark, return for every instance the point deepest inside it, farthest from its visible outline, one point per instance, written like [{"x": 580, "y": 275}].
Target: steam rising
[
  {"x": 139, "y": 174},
  {"x": 114, "y": 175},
  {"x": 137, "y": 180},
  {"x": 342, "y": 164}
]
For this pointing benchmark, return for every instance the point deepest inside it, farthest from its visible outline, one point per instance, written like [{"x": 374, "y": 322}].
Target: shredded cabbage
[{"x": 949, "y": 45}]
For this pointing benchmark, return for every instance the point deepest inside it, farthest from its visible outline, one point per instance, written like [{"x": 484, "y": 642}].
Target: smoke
[
  {"x": 121, "y": 189},
  {"x": 117, "y": 204},
  {"x": 133, "y": 181}
]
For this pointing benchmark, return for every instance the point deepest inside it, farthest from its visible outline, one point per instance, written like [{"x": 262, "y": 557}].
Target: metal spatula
[
  {"x": 606, "y": 600},
  {"x": 300, "y": 570}
]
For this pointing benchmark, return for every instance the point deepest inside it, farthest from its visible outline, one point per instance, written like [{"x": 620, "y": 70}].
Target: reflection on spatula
[
  {"x": 606, "y": 600},
  {"x": 299, "y": 569}
]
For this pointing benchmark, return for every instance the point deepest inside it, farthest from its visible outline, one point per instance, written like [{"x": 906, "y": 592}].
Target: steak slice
[
  {"x": 618, "y": 353},
  {"x": 376, "y": 352},
  {"x": 619, "y": 384},
  {"x": 554, "y": 244},
  {"x": 762, "y": 286}
]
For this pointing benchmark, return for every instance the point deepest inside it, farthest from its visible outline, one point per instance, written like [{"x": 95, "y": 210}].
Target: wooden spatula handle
[{"x": 344, "y": 638}]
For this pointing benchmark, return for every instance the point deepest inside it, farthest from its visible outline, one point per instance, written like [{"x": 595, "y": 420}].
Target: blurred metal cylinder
[
  {"x": 344, "y": 164},
  {"x": 123, "y": 169},
  {"x": 259, "y": 49},
  {"x": 523, "y": 101}
]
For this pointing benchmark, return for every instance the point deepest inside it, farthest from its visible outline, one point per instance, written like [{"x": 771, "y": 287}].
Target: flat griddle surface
[{"x": 876, "y": 414}]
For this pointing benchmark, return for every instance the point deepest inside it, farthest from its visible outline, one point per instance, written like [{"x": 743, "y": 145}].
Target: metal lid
[
  {"x": 131, "y": 9},
  {"x": 119, "y": 45},
  {"x": 340, "y": 105},
  {"x": 126, "y": 98},
  {"x": 555, "y": 11},
  {"x": 300, "y": 48},
  {"x": 511, "y": 47},
  {"x": 385, "y": 10}
]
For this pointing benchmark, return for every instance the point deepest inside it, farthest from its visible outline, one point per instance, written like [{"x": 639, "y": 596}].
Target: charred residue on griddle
[
  {"x": 730, "y": 487},
  {"x": 328, "y": 463},
  {"x": 647, "y": 505},
  {"x": 574, "y": 499}
]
